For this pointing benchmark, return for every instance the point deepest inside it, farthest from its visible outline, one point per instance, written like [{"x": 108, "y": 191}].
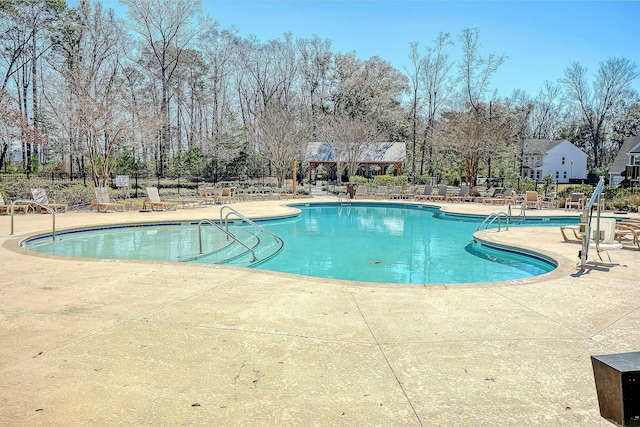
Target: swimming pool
[{"x": 412, "y": 244}]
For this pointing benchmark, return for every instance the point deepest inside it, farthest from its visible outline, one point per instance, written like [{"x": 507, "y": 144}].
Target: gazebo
[{"x": 375, "y": 156}]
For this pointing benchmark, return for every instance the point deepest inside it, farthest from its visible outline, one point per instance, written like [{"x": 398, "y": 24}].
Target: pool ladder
[
  {"x": 497, "y": 216},
  {"x": 223, "y": 226},
  {"x": 33, "y": 203}
]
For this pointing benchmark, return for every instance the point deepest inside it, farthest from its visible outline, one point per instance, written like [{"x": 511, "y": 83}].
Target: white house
[
  {"x": 629, "y": 155},
  {"x": 561, "y": 159}
]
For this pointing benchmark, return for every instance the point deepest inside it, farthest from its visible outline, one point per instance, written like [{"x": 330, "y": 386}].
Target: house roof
[
  {"x": 630, "y": 145},
  {"x": 374, "y": 152},
  {"x": 539, "y": 146}
]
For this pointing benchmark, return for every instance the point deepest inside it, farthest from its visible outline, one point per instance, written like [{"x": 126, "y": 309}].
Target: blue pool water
[
  {"x": 412, "y": 244},
  {"x": 374, "y": 243}
]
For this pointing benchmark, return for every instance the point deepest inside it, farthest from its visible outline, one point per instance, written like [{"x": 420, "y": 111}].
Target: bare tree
[
  {"x": 219, "y": 48},
  {"x": 438, "y": 86},
  {"x": 316, "y": 62},
  {"x": 546, "y": 112},
  {"x": 414, "y": 79},
  {"x": 476, "y": 71},
  {"x": 597, "y": 102},
  {"x": 27, "y": 25},
  {"x": 472, "y": 135},
  {"x": 282, "y": 138},
  {"x": 349, "y": 137},
  {"x": 89, "y": 61},
  {"x": 167, "y": 29}
]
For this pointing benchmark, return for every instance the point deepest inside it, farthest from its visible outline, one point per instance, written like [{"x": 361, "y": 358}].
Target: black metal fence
[{"x": 135, "y": 182}]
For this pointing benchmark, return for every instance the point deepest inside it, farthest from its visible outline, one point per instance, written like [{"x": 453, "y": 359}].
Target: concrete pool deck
[{"x": 106, "y": 343}]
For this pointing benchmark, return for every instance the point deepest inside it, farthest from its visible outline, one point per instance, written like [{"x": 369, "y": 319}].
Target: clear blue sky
[{"x": 540, "y": 38}]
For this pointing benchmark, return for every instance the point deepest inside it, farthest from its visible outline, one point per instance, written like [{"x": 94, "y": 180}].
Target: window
[
  {"x": 558, "y": 174},
  {"x": 564, "y": 175},
  {"x": 563, "y": 160},
  {"x": 537, "y": 174}
]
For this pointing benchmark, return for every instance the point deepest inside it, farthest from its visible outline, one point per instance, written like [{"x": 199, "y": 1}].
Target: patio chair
[
  {"x": 5, "y": 207},
  {"x": 209, "y": 195},
  {"x": 442, "y": 193},
  {"x": 156, "y": 203},
  {"x": 628, "y": 231},
  {"x": 381, "y": 192},
  {"x": 104, "y": 203},
  {"x": 228, "y": 194},
  {"x": 575, "y": 201},
  {"x": 396, "y": 192},
  {"x": 573, "y": 237},
  {"x": 42, "y": 202},
  {"x": 411, "y": 192},
  {"x": 550, "y": 201},
  {"x": 501, "y": 198},
  {"x": 532, "y": 200},
  {"x": 361, "y": 192},
  {"x": 462, "y": 193},
  {"x": 428, "y": 189}
]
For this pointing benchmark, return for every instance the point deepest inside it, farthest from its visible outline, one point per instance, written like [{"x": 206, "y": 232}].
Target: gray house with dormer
[{"x": 627, "y": 162}]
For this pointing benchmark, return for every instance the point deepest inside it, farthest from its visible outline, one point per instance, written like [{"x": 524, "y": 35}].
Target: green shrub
[
  {"x": 390, "y": 181},
  {"x": 359, "y": 180},
  {"x": 580, "y": 188},
  {"x": 628, "y": 202}
]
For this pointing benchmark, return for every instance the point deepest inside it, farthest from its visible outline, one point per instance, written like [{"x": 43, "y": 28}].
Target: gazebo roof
[{"x": 374, "y": 152}]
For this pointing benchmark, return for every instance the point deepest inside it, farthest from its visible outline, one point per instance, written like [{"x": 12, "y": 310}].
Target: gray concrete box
[{"x": 617, "y": 378}]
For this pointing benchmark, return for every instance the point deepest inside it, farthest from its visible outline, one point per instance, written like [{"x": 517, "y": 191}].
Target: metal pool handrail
[
  {"x": 208, "y": 221},
  {"x": 585, "y": 218},
  {"x": 490, "y": 219},
  {"x": 33, "y": 202},
  {"x": 244, "y": 218}
]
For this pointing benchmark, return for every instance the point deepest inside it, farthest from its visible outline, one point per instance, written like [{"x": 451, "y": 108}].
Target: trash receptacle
[
  {"x": 617, "y": 378},
  {"x": 351, "y": 190}
]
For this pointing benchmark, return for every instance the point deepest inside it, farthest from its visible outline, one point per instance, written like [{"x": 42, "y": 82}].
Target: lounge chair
[
  {"x": 426, "y": 192},
  {"x": 228, "y": 194},
  {"x": 489, "y": 197},
  {"x": 42, "y": 202},
  {"x": 5, "y": 207},
  {"x": 573, "y": 237},
  {"x": 442, "y": 193},
  {"x": 532, "y": 200},
  {"x": 473, "y": 195},
  {"x": 507, "y": 196},
  {"x": 104, "y": 203},
  {"x": 628, "y": 231},
  {"x": 550, "y": 201},
  {"x": 210, "y": 194},
  {"x": 156, "y": 203},
  {"x": 462, "y": 193},
  {"x": 381, "y": 192},
  {"x": 575, "y": 201},
  {"x": 361, "y": 192},
  {"x": 411, "y": 192},
  {"x": 396, "y": 192}
]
